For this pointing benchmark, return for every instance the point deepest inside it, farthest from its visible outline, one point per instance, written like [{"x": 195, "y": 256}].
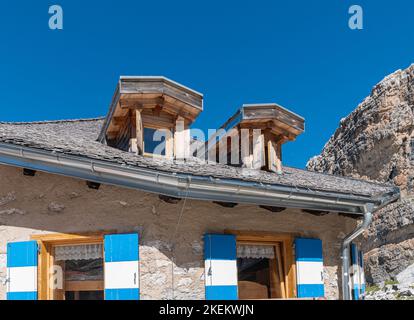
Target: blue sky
[{"x": 300, "y": 54}]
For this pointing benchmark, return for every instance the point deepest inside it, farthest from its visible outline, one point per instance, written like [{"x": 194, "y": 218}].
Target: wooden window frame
[
  {"x": 46, "y": 244},
  {"x": 288, "y": 256}
]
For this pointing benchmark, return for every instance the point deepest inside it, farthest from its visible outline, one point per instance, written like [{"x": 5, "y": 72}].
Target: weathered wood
[
  {"x": 258, "y": 149},
  {"x": 139, "y": 129},
  {"x": 148, "y": 85},
  {"x": 84, "y": 285},
  {"x": 169, "y": 144},
  {"x": 181, "y": 140},
  {"x": 247, "y": 158},
  {"x": 280, "y": 270}
]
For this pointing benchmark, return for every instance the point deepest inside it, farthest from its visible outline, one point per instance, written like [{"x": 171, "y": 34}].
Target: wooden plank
[
  {"x": 258, "y": 149},
  {"x": 273, "y": 150},
  {"x": 246, "y": 157},
  {"x": 181, "y": 139},
  {"x": 59, "y": 238},
  {"x": 275, "y": 291},
  {"x": 139, "y": 132},
  {"x": 259, "y": 236},
  {"x": 58, "y": 290},
  {"x": 280, "y": 270},
  {"x": 290, "y": 267},
  {"x": 42, "y": 271},
  {"x": 84, "y": 285},
  {"x": 169, "y": 144}
]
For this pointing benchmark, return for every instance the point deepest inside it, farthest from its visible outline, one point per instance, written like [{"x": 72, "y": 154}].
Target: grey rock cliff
[{"x": 375, "y": 143}]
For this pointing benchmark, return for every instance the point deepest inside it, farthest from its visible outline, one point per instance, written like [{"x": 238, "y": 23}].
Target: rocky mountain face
[{"x": 376, "y": 142}]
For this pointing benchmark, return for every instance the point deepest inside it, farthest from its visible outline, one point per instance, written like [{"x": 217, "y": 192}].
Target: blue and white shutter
[
  {"x": 220, "y": 255},
  {"x": 309, "y": 268},
  {"x": 22, "y": 270},
  {"x": 357, "y": 271},
  {"x": 121, "y": 267},
  {"x": 361, "y": 273},
  {"x": 355, "y": 276}
]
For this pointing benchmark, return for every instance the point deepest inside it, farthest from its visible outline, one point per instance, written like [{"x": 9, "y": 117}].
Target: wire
[{"x": 174, "y": 236}]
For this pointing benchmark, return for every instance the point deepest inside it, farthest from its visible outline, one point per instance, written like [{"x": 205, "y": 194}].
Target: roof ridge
[{"x": 53, "y": 121}]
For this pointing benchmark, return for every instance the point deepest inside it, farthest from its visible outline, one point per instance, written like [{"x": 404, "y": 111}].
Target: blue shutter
[
  {"x": 355, "y": 272},
  {"x": 361, "y": 272},
  {"x": 309, "y": 268},
  {"x": 121, "y": 267},
  {"x": 220, "y": 255},
  {"x": 22, "y": 270}
]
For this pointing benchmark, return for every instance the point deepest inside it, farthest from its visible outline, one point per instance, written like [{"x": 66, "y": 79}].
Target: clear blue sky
[{"x": 300, "y": 54}]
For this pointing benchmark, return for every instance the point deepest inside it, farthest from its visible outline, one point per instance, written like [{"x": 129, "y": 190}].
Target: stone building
[
  {"x": 376, "y": 142},
  {"x": 93, "y": 209}
]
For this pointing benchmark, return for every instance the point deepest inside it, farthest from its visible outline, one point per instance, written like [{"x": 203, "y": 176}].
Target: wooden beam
[
  {"x": 181, "y": 139},
  {"x": 118, "y": 121},
  {"x": 258, "y": 149},
  {"x": 280, "y": 270},
  {"x": 246, "y": 157},
  {"x": 169, "y": 199},
  {"x": 226, "y": 204},
  {"x": 315, "y": 212},
  {"x": 139, "y": 132},
  {"x": 141, "y": 103},
  {"x": 87, "y": 285},
  {"x": 29, "y": 172},
  {"x": 169, "y": 144},
  {"x": 274, "y": 163},
  {"x": 273, "y": 209}
]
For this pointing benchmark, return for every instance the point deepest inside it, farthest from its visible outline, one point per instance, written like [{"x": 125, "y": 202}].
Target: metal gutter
[
  {"x": 369, "y": 210},
  {"x": 175, "y": 184}
]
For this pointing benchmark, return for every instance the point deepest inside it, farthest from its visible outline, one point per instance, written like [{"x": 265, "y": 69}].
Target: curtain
[
  {"x": 79, "y": 252},
  {"x": 255, "y": 252}
]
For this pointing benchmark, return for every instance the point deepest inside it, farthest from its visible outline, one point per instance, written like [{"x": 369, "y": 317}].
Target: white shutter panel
[
  {"x": 121, "y": 267},
  {"x": 220, "y": 256},
  {"x": 309, "y": 268},
  {"x": 22, "y": 270}
]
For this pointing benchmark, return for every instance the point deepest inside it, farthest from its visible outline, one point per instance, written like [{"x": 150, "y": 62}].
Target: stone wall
[
  {"x": 50, "y": 204},
  {"x": 373, "y": 143}
]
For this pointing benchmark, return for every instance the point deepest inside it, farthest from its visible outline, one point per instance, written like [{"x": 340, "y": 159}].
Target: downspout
[{"x": 368, "y": 209}]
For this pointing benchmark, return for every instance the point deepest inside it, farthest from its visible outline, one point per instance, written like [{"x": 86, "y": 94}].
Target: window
[
  {"x": 260, "y": 272},
  {"x": 71, "y": 267},
  {"x": 265, "y": 265},
  {"x": 153, "y": 145},
  {"x": 81, "y": 270}
]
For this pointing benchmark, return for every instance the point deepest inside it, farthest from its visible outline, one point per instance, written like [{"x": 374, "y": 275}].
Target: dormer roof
[{"x": 151, "y": 93}]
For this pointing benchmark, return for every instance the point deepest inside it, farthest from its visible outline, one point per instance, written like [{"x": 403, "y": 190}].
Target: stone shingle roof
[{"x": 78, "y": 138}]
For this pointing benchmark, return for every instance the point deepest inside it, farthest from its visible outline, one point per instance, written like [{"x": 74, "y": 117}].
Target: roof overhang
[
  {"x": 268, "y": 115},
  {"x": 187, "y": 185},
  {"x": 150, "y": 93}
]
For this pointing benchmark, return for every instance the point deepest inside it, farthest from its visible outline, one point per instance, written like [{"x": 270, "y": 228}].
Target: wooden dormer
[
  {"x": 267, "y": 128},
  {"x": 142, "y": 105}
]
